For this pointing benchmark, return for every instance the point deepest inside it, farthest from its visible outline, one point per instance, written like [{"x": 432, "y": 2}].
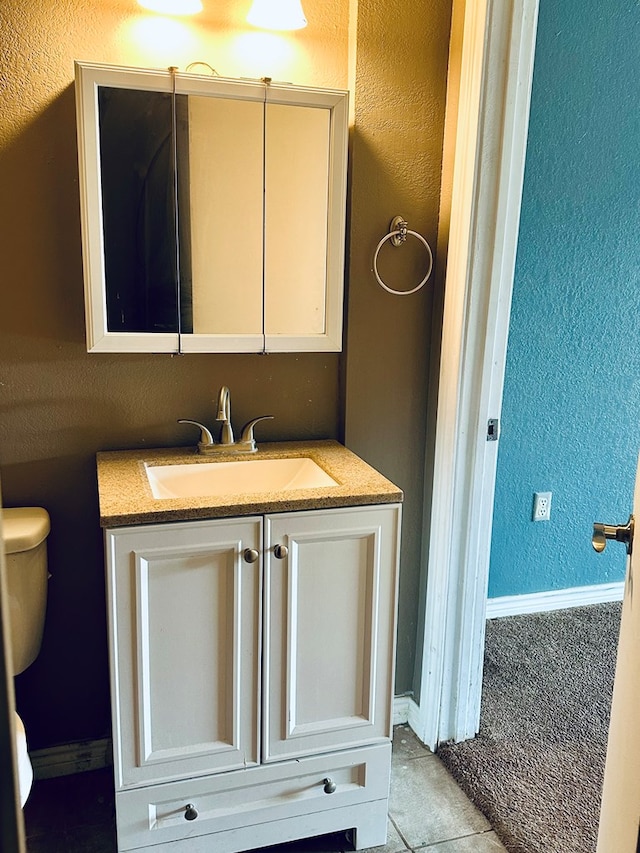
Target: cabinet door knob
[
  {"x": 250, "y": 555},
  {"x": 280, "y": 552},
  {"x": 329, "y": 785},
  {"x": 190, "y": 812}
]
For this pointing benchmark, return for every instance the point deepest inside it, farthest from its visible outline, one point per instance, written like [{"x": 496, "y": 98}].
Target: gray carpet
[{"x": 536, "y": 767}]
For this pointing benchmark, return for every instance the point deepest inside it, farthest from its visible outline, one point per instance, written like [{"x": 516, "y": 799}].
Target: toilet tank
[{"x": 25, "y": 531}]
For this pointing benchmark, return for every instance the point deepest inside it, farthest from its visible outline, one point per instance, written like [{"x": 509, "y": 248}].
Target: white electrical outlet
[{"x": 541, "y": 506}]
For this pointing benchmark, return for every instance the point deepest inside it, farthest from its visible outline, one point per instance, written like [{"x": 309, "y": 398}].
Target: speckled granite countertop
[{"x": 126, "y": 498}]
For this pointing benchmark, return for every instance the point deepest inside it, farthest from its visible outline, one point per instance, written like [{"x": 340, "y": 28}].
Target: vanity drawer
[{"x": 155, "y": 815}]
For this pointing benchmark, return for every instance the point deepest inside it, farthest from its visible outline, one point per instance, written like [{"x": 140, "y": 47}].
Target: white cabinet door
[
  {"x": 184, "y": 613},
  {"x": 330, "y": 593}
]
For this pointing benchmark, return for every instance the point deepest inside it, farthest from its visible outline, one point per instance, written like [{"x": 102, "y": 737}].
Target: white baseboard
[
  {"x": 557, "y": 599},
  {"x": 401, "y": 709},
  {"x": 415, "y": 720},
  {"x": 94, "y": 754},
  {"x": 407, "y": 712},
  {"x": 71, "y": 758}
]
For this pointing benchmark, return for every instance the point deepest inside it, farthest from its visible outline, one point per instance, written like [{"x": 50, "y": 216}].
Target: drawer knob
[
  {"x": 250, "y": 555},
  {"x": 190, "y": 812},
  {"x": 329, "y": 785},
  {"x": 280, "y": 552}
]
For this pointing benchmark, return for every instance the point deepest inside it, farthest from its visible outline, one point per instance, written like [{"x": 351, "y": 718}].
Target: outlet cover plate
[{"x": 541, "y": 506}]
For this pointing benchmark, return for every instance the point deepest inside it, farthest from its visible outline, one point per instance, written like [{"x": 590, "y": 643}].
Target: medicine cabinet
[{"x": 213, "y": 212}]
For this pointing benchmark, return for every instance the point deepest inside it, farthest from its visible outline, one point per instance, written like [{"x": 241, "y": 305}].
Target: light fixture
[
  {"x": 277, "y": 15},
  {"x": 172, "y": 7}
]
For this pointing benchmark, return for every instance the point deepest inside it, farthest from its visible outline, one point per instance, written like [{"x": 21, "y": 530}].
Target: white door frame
[{"x": 492, "y": 56}]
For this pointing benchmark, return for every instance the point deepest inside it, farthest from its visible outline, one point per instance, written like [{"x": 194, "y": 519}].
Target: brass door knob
[
  {"x": 280, "y": 552},
  {"x": 621, "y": 533},
  {"x": 250, "y": 555}
]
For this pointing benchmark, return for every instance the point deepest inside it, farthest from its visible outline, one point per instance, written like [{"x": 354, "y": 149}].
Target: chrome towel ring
[{"x": 398, "y": 232}]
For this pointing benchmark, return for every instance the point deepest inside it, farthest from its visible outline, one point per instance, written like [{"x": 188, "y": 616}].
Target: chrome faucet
[
  {"x": 246, "y": 443},
  {"x": 224, "y": 415}
]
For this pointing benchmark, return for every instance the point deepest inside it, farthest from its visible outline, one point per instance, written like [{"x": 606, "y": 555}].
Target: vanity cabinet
[
  {"x": 213, "y": 212},
  {"x": 252, "y": 677}
]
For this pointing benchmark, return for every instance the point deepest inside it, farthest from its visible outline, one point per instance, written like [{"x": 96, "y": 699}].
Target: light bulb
[
  {"x": 172, "y": 7},
  {"x": 277, "y": 15}
]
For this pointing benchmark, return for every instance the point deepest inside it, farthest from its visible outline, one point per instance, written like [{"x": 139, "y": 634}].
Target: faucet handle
[
  {"x": 247, "y": 442},
  {"x": 206, "y": 439}
]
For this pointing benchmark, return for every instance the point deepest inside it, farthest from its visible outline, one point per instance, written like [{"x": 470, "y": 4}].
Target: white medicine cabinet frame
[{"x": 233, "y": 224}]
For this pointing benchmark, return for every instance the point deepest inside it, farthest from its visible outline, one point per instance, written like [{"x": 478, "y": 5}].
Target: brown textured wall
[
  {"x": 399, "y": 79},
  {"x": 59, "y": 405}
]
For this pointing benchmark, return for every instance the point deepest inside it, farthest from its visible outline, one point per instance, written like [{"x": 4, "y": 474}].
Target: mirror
[
  {"x": 138, "y": 210},
  {"x": 223, "y": 259},
  {"x": 213, "y": 212}
]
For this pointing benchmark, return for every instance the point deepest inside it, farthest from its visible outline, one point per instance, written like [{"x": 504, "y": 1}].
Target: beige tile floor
[{"x": 427, "y": 812}]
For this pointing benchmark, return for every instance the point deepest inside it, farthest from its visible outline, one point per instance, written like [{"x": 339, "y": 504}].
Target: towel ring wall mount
[{"x": 398, "y": 232}]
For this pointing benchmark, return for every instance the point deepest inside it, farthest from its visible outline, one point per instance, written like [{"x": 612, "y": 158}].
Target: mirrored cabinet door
[
  {"x": 213, "y": 212},
  {"x": 221, "y": 215},
  {"x": 126, "y": 181},
  {"x": 297, "y": 172}
]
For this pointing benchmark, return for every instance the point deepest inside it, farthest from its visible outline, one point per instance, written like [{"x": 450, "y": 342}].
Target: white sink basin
[{"x": 216, "y": 479}]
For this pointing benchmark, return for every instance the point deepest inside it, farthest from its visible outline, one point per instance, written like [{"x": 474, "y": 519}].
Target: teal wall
[{"x": 571, "y": 410}]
